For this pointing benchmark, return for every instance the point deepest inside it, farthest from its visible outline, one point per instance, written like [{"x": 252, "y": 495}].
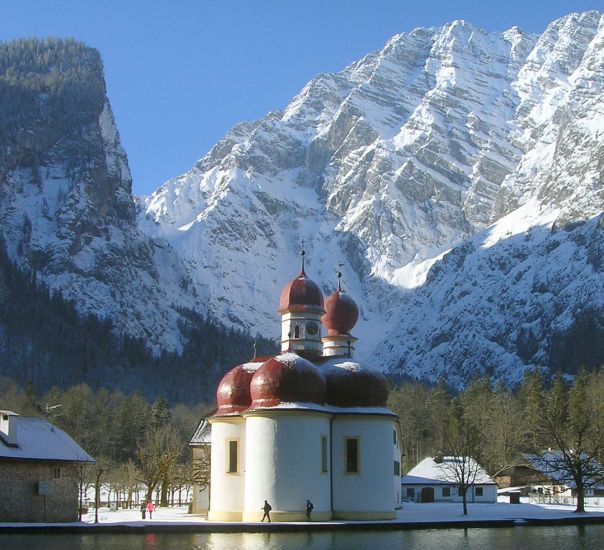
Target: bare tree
[
  {"x": 97, "y": 472},
  {"x": 81, "y": 479},
  {"x": 181, "y": 480},
  {"x": 571, "y": 420},
  {"x": 131, "y": 476},
  {"x": 156, "y": 453},
  {"x": 124, "y": 481},
  {"x": 201, "y": 468},
  {"x": 463, "y": 443},
  {"x": 79, "y": 475}
]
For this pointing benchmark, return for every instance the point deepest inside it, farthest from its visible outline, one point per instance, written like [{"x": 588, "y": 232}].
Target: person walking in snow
[
  {"x": 267, "y": 509},
  {"x": 143, "y": 509},
  {"x": 309, "y": 509},
  {"x": 150, "y": 509}
]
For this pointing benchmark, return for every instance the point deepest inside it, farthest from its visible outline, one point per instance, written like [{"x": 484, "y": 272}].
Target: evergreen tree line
[
  {"x": 52, "y": 83},
  {"x": 136, "y": 443},
  {"x": 141, "y": 443},
  {"x": 565, "y": 415},
  {"x": 44, "y": 341}
]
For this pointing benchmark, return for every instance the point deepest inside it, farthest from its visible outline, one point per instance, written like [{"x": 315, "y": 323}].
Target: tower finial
[
  {"x": 339, "y": 275},
  {"x": 302, "y": 254}
]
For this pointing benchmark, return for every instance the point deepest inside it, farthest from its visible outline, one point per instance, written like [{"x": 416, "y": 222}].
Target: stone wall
[{"x": 20, "y": 500}]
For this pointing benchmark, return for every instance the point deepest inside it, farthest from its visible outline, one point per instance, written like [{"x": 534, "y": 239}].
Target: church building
[{"x": 308, "y": 424}]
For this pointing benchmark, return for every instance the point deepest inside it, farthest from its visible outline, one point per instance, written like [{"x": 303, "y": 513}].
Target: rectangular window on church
[
  {"x": 352, "y": 455},
  {"x": 324, "y": 454},
  {"x": 232, "y": 456}
]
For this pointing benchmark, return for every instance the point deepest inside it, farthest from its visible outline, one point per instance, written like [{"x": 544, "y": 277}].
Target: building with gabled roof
[
  {"x": 432, "y": 481},
  {"x": 39, "y": 479},
  {"x": 556, "y": 480}
]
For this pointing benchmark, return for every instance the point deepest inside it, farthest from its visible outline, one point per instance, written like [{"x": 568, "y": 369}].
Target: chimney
[
  {"x": 439, "y": 457},
  {"x": 8, "y": 428}
]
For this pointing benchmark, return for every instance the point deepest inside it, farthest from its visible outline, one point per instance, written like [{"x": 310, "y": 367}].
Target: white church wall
[
  {"x": 396, "y": 470},
  {"x": 370, "y": 493},
  {"x": 227, "y": 488},
  {"x": 284, "y": 466}
]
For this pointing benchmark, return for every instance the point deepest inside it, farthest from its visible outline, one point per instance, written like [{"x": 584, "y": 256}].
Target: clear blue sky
[{"x": 180, "y": 73}]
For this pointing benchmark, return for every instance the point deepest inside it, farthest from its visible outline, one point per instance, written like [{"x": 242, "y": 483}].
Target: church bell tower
[{"x": 301, "y": 308}]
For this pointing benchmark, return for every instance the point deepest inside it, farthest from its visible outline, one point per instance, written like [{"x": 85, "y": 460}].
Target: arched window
[{"x": 297, "y": 331}]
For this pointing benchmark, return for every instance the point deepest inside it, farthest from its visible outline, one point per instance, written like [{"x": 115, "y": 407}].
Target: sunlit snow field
[{"x": 411, "y": 513}]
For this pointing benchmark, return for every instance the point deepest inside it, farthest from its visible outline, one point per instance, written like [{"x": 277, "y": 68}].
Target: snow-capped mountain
[
  {"x": 457, "y": 175},
  {"x": 66, "y": 207}
]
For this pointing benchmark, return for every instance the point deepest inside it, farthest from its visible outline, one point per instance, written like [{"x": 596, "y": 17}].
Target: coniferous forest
[
  {"x": 137, "y": 439},
  {"x": 537, "y": 415},
  {"x": 46, "y": 342}
]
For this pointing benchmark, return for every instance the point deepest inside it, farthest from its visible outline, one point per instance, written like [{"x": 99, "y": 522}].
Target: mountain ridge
[
  {"x": 456, "y": 174},
  {"x": 402, "y": 156}
]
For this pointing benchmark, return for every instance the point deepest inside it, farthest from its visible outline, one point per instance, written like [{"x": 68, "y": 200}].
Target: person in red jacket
[{"x": 150, "y": 508}]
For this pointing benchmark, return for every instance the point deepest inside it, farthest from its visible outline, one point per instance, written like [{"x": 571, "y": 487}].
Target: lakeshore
[{"x": 412, "y": 516}]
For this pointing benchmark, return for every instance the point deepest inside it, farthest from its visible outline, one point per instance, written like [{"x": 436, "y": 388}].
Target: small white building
[
  {"x": 432, "y": 481},
  {"x": 308, "y": 424}
]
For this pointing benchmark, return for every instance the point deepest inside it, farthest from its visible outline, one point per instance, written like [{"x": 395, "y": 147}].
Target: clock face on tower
[{"x": 312, "y": 328}]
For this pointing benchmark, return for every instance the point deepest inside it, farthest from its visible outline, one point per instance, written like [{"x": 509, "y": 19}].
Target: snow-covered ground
[
  {"x": 414, "y": 512},
  {"x": 411, "y": 513}
]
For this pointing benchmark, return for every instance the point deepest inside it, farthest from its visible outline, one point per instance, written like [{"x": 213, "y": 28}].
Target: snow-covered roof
[
  {"x": 551, "y": 464},
  {"x": 336, "y": 363},
  {"x": 306, "y": 406},
  {"x": 202, "y": 435},
  {"x": 509, "y": 490},
  {"x": 38, "y": 439},
  {"x": 254, "y": 364},
  {"x": 440, "y": 473}
]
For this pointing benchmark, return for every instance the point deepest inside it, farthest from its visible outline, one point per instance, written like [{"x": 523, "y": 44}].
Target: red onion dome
[
  {"x": 233, "y": 394},
  {"x": 301, "y": 294},
  {"x": 287, "y": 378},
  {"x": 341, "y": 314},
  {"x": 350, "y": 385}
]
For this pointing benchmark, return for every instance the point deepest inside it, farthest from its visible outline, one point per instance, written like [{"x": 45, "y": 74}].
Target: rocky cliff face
[
  {"x": 66, "y": 208},
  {"x": 485, "y": 145}
]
